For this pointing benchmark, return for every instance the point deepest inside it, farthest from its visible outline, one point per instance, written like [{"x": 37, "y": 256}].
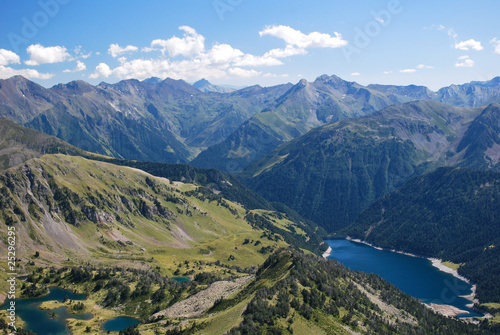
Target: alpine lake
[
  {"x": 43, "y": 322},
  {"x": 415, "y": 276}
]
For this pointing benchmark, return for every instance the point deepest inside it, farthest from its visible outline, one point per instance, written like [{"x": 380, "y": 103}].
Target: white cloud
[
  {"x": 116, "y": 50},
  {"x": 188, "y": 58},
  {"x": 465, "y": 62},
  {"x": 440, "y": 27},
  {"x": 222, "y": 54},
  {"x": 79, "y": 53},
  {"x": 273, "y": 75},
  {"x": 239, "y": 72},
  {"x": 297, "y": 38},
  {"x": 80, "y": 66},
  {"x": 290, "y": 50},
  {"x": 7, "y": 72},
  {"x": 408, "y": 71},
  {"x": 101, "y": 70},
  {"x": 452, "y": 33},
  {"x": 191, "y": 69},
  {"x": 143, "y": 68},
  {"x": 422, "y": 66},
  {"x": 148, "y": 49},
  {"x": 191, "y": 44},
  {"x": 355, "y": 74},
  {"x": 43, "y": 55},
  {"x": 8, "y": 57},
  {"x": 496, "y": 45},
  {"x": 387, "y": 72},
  {"x": 380, "y": 20},
  {"x": 251, "y": 60},
  {"x": 468, "y": 45}
]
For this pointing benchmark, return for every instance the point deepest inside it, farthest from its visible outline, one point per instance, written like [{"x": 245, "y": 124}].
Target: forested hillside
[
  {"x": 332, "y": 173},
  {"x": 452, "y": 213}
]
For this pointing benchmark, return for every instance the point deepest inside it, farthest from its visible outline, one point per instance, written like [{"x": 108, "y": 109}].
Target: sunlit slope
[{"x": 73, "y": 210}]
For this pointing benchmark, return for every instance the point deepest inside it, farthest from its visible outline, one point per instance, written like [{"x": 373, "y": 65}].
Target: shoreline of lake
[
  {"x": 446, "y": 310},
  {"x": 436, "y": 262},
  {"x": 327, "y": 252}
]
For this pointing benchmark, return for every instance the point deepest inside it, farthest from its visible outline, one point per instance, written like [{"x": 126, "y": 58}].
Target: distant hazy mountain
[
  {"x": 452, "y": 213},
  {"x": 154, "y": 120},
  {"x": 173, "y": 121},
  {"x": 413, "y": 92},
  {"x": 303, "y": 107},
  {"x": 205, "y": 86},
  {"x": 334, "y": 172},
  {"x": 475, "y": 93},
  {"x": 152, "y": 80},
  {"x": 326, "y": 100}
]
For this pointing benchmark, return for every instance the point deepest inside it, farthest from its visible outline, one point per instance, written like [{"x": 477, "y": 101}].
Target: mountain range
[
  {"x": 97, "y": 175},
  {"x": 205, "y": 86},
  {"x": 335, "y": 171},
  {"x": 173, "y": 121},
  {"x": 326, "y": 100},
  {"x": 365, "y": 140},
  {"x": 168, "y": 121}
]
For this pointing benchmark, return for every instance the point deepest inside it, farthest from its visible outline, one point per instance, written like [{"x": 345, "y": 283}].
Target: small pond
[
  {"x": 120, "y": 323},
  {"x": 180, "y": 279}
]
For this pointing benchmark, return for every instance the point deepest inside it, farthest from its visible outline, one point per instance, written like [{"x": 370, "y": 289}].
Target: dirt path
[{"x": 203, "y": 300}]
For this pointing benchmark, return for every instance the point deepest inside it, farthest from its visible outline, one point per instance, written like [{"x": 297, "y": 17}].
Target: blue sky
[{"x": 245, "y": 42}]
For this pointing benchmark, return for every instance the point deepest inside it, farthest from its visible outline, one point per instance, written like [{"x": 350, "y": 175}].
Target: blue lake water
[
  {"x": 39, "y": 321},
  {"x": 180, "y": 279},
  {"x": 120, "y": 323},
  {"x": 413, "y": 275}
]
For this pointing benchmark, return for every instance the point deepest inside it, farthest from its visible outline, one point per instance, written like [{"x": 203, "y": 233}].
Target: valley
[
  {"x": 236, "y": 167},
  {"x": 202, "y": 210}
]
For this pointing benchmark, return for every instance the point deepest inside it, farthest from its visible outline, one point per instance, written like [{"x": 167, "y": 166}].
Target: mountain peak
[
  {"x": 20, "y": 80},
  {"x": 201, "y": 83},
  {"x": 152, "y": 80},
  {"x": 302, "y": 83},
  {"x": 330, "y": 79},
  {"x": 492, "y": 82},
  {"x": 206, "y": 86},
  {"x": 17, "y": 78},
  {"x": 73, "y": 87}
]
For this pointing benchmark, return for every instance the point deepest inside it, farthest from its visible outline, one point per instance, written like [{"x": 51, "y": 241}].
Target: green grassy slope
[
  {"x": 18, "y": 144},
  {"x": 72, "y": 208}
]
